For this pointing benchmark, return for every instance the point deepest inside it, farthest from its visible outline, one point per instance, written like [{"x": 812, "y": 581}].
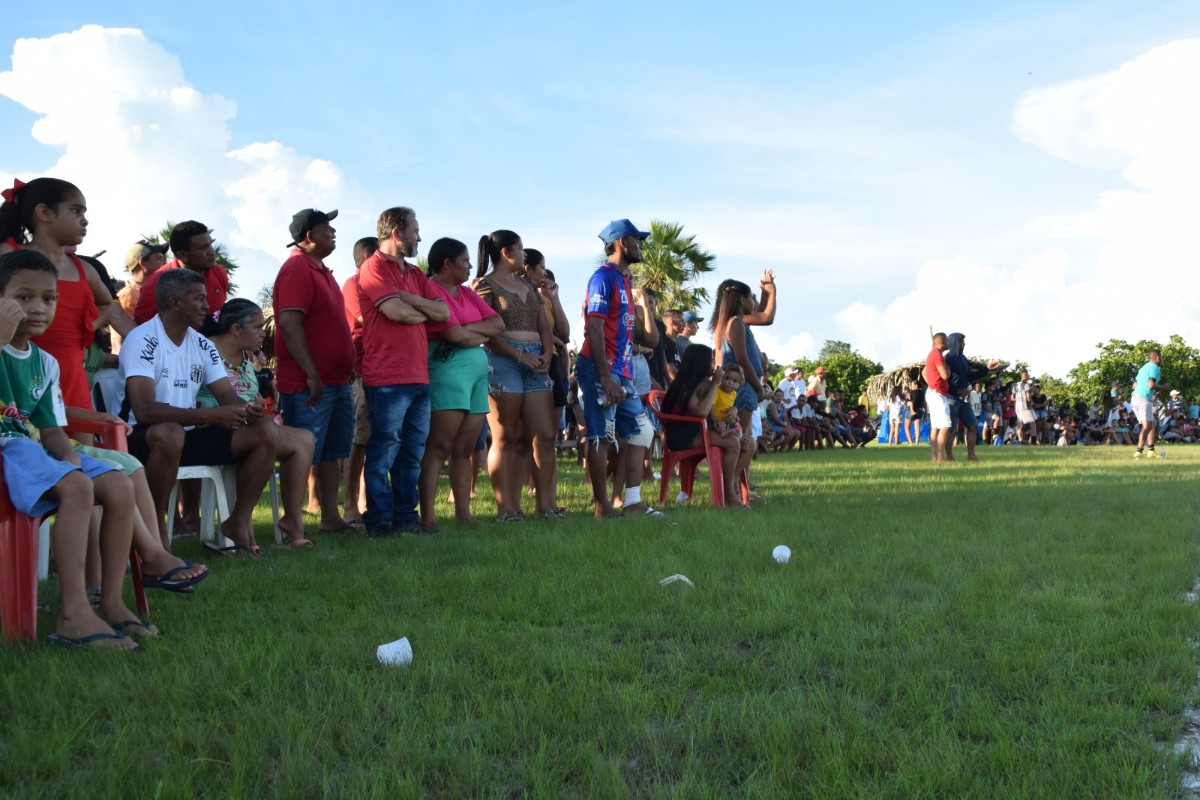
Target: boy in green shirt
[{"x": 49, "y": 475}]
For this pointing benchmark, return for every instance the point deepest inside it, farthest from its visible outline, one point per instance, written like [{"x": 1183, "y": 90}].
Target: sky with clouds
[{"x": 1024, "y": 172}]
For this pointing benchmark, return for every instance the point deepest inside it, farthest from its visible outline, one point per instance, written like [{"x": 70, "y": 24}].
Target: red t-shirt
[
  {"x": 306, "y": 285},
  {"x": 933, "y": 378},
  {"x": 468, "y": 307},
  {"x": 354, "y": 319},
  {"x": 216, "y": 283},
  {"x": 393, "y": 352}
]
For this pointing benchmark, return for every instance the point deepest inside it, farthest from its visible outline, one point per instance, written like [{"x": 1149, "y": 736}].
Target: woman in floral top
[{"x": 237, "y": 331}]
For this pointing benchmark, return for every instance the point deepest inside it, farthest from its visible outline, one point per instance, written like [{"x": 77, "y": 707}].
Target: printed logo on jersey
[
  {"x": 197, "y": 373},
  {"x": 36, "y": 388},
  {"x": 11, "y": 411},
  {"x": 149, "y": 349}
]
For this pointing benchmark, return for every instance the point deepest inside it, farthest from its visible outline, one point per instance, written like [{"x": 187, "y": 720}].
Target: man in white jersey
[{"x": 164, "y": 362}]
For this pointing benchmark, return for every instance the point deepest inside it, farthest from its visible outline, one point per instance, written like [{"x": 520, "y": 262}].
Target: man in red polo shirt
[
  {"x": 396, "y": 299},
  {"x": 364, "y": 248},
  {"x": 192, "y": 246},
  {"x": 315, "y": 354},
  {"x": 937, "y": 400}
]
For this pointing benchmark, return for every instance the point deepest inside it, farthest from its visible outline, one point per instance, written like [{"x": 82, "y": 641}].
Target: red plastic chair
[
  {"x": 18, "y": 569},
  {"x": 688, "y": 460},
  {"x": 111, "y": 436}
]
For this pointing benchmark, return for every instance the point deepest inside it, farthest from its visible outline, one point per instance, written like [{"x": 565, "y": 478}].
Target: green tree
[
  {"x": 231, "y": 266},
  {"x": 845, "y": 368},
  {"x": 832, "y": 348},
  {"x": 1119, "y": 361},
  {"x": 671, "y": 263}
]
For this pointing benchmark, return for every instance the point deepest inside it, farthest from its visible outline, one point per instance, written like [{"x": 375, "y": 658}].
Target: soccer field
[{"x": 1012, "y": 628}]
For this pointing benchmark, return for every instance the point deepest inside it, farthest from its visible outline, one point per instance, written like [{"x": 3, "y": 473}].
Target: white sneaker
[{"x": 682, "y": 497}]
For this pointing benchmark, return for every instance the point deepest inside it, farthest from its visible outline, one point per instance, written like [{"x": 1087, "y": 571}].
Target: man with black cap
[
  {"x": 315, "y": 354},
  {"x": 612, "y": 410}
]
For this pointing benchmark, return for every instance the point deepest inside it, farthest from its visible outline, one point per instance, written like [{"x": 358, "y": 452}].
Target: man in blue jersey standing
[
  {"x": 1148, "y": 382},
  {"x": 612, "y": 410}
]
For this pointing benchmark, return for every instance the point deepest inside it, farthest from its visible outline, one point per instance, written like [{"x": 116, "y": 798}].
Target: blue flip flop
[
  {"x": 149, "y": 631},
  {"x": 164, "y": 581},
  {"x": 85, "y": 642}
]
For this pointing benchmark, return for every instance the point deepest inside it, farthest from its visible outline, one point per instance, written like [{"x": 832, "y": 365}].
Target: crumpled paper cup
[{"x": 395, "y": 654}]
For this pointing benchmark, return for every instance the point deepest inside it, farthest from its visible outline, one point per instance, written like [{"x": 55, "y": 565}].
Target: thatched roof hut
[{"x": 881, "y": 386}]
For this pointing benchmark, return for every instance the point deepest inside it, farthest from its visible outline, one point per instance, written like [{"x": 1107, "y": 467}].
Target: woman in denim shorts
[{"x": 522, "y": 411}]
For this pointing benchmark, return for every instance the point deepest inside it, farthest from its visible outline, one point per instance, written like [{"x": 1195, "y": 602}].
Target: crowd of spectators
[{"x": 379, "y": 384}]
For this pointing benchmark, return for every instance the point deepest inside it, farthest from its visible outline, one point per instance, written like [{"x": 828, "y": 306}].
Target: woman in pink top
[{"x": 458, "y": 380}]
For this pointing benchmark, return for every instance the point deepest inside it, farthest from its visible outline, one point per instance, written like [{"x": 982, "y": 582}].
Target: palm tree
[
  {"x": 164, "y": 235},
  {"x": 670, "y": 263}
]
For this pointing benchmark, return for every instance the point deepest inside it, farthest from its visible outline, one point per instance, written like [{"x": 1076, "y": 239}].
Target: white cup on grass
[{"x": 395, "y": 654}]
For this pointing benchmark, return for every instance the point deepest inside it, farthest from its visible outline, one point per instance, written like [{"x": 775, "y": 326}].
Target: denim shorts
[
  {"x": 615, "y": 422},
  {"x": 331, "y": 421},
  {"x": 30, "y": 472},
  {"x": 961, "y": 412},
  {"x": 639, "y": 367},
  {"x": 746, "y": 398},
  {"x": 506, "y": 375}
]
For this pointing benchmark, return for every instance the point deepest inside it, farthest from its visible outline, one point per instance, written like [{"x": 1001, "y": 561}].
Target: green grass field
[{"x": 1013, "y": 628}]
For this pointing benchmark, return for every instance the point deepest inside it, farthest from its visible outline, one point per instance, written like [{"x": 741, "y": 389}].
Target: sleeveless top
[
  {"x": 727, "y": 356},
  {"x": 680, "y": 435},
  {"x": 71, "y": 333},
  {"x": 519, "y": 313}
]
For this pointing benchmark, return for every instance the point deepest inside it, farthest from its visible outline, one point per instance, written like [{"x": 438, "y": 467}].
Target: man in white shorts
[
  {"x": 1148, "y": 382},
  {"x": 937, "y": 399},
  {"x": 1025, "y": 415}
]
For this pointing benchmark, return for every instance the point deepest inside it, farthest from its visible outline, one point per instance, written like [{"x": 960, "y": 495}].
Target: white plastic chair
[{"x": 218, "y": 494}]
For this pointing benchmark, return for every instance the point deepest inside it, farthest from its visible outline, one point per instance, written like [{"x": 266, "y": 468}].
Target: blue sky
[{"x": 872, "y": 155}]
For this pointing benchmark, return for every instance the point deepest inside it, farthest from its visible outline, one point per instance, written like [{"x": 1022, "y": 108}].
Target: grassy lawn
[{"x": 1010, "y": 628}]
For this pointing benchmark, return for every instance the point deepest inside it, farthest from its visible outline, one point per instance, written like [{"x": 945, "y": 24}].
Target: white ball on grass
[{"x": 782, "y": 553}]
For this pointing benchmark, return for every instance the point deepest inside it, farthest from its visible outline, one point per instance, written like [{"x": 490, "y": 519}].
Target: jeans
[{"x": 399, "y": 417}]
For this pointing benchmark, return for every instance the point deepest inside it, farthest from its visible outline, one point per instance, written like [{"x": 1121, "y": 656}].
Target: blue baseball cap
[
  {"x": 690, "y": 316},
  {"x": 619, "y": 229}
]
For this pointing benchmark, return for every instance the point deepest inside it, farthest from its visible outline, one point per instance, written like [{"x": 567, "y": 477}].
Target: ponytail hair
[
  {"x": 16, "y": 214},
  {"x": 490, "y": 247},
  {"x": 238, "y": 311},
  {"x": 728, "y": 304}
]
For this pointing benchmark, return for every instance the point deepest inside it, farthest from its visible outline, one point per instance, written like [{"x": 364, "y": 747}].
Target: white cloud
[
  {"x": 144, "y": 147},
  {"x": 1120, "y": 269}
]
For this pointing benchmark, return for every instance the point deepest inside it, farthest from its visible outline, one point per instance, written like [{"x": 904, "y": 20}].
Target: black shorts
[{"x": 206, "y": 446}]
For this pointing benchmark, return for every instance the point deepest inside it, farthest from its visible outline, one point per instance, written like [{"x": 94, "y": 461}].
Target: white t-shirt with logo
[
  {"x": 1021, "y": 396},
  {"x": 178, "y": 372}
]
